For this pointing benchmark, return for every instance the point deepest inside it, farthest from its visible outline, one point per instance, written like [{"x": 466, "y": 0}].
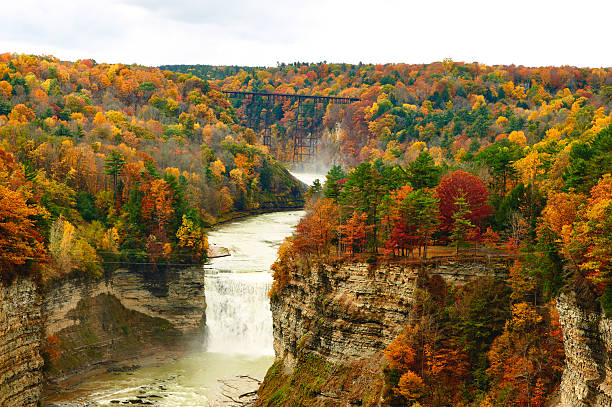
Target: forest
[
  {"x": 460, "y": 160},
  {"x": 103, "y": 165},
  {"x": 454, "y": 108}
]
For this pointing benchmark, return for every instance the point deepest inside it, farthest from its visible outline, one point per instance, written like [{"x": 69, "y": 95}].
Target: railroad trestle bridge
[{"x": 304, "y": 142}]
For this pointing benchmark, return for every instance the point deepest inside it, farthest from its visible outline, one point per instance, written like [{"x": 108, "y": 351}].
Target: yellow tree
[
  {"x": 518, "y": 137},
  {"x": 588, "y": 241},
  {"x": 192, "y": 238},
  {"x": 217, "y": 168},
  {"x": 5, "y": 89},
  {"x": 530, "y": 167},
  {"x": 21, "y": 113}
]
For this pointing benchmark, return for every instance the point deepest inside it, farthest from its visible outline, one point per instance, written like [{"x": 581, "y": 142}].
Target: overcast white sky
[{"x": 262, "y": 32}]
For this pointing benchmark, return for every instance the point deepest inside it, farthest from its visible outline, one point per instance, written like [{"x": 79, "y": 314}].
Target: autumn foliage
[
  {"x": 437, "y": 359},
  {"x": 110, "y": 165},
  {"x": 456, "y": 108},
  {"x": 526, "y": 361},
  {"x": 471, "y": 188},
  {"x": 316, "y": 230},
  {"x": 21, "y": 244}
]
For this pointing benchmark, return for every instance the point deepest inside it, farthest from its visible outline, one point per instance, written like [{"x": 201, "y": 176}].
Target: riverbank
[
  {"x": 73, "y": 386},
  {"x": 306, "y": 178}
]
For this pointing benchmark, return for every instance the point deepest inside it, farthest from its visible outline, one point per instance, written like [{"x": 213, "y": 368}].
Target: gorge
[
  {"x": 237, "y": 339},
  {"x": 328, "y": 332}
]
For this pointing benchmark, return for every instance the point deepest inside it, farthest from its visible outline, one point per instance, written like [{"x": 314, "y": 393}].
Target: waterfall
[{"x": 238, "y": 317}]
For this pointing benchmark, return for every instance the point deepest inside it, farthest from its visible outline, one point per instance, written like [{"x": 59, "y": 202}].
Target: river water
[{"x": 238, "y": 337}]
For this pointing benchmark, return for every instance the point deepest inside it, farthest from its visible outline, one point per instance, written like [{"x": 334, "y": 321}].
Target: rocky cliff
[
  {"x": 20, "y": 333},
  {"x": 333, "y": 322},
  {"x": 72, "y": 326},
  {"x": 91, "y": 325},
  {"x": 587, "y": 338}
]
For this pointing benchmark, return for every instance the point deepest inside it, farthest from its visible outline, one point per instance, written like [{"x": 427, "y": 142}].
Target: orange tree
[{"x": 21, "y": 244}]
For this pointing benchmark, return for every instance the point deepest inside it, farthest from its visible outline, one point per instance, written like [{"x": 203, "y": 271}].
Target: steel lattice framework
[{"x": 304, "y": 144}]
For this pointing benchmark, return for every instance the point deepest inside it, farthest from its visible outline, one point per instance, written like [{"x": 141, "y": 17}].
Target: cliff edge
[
  {"x": 332, "y": 323},
  {"x": 587, "y": 339},
  {"x": 20, "y": 335}
]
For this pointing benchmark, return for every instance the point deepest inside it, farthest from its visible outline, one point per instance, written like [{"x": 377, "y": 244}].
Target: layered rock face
[
  {"x": 332, "y": 318},
  {"x": 176, "y": 296},
  {"x": 342, "y": 312},
  {"x": 587, "y": 338},
  {"x": 93, "y": 324},
  {"x": 355, "y": 310},
  {"x": 79, "y": 326},
  {"x": 20, "y": 332}
]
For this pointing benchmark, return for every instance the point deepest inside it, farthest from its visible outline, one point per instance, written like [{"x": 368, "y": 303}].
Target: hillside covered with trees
[
  {"x": 455, "y": 108},
  {"x": 454, "y": 160},
  {"x": 107, "y": 165}
]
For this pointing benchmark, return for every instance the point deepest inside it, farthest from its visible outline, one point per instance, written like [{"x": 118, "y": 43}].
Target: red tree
[
  {"x": 455, "y": 185},
  {"x": 403, "y": 238}
]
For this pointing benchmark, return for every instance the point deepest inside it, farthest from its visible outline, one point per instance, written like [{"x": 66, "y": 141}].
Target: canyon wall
[
  {"x": 333, "y": 322},
  {"x": 20, "y": 333},
  {"x": 91, "y": 325},
  {"x": 587, "y": 338},
  {"x": 73, "y": 326}
]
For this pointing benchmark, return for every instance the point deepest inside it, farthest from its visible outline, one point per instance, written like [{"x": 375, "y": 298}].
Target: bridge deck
[{"x": 332, "y": 99}]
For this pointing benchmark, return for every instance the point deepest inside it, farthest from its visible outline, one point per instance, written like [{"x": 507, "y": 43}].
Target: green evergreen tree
[
  {"x": 331, "y": 189},
  {"x": 265, "y": 176},
  {"x": 462, "y": 226},
  {"x": 423, "y": 172},
  {"x": 427, "y": 216},
  {"x": 113, "y": 166},
  {"x": 589, "y": 161}
]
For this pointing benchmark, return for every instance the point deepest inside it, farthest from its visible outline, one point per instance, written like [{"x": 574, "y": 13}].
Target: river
[{"x": 238, "y": 337}]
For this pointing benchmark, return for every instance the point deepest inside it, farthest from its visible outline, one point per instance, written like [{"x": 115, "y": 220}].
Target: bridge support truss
[{"x": 304, "y": 142}]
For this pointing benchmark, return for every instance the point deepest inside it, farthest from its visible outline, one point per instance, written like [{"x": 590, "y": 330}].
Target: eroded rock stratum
[{"x": 72, "y": 327}]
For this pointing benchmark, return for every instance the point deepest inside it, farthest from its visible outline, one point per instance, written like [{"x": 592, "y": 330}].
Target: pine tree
[
  {"x": 461, "y": 222},
  {"x": 113, "y": 165}
]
